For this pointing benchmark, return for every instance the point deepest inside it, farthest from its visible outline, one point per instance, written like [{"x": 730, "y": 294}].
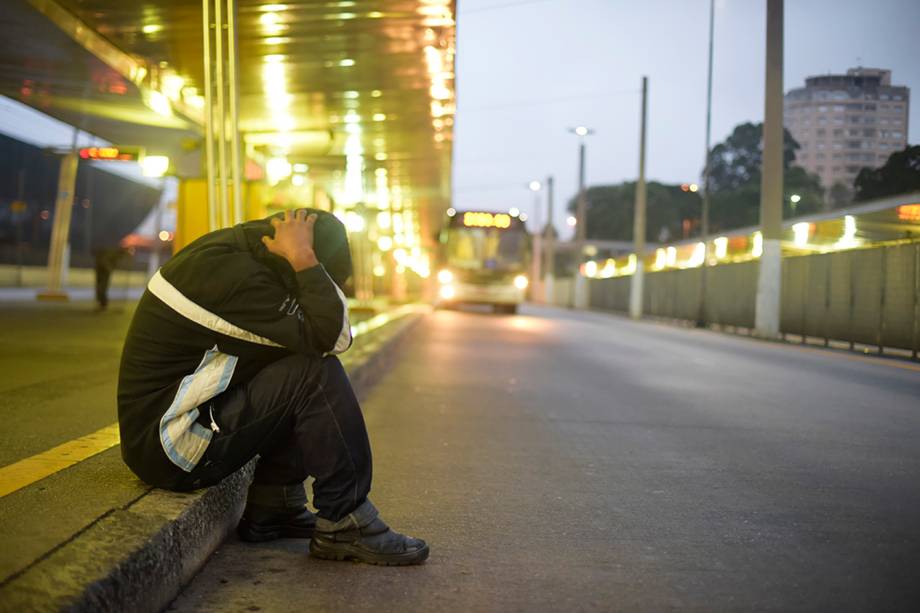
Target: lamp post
[
  {"x": 549, "y": 248},
  {"x": 535, "y": 286},
  {"x": 769, "y": 279},
  {"x": 581, "y": 213},
  {"x": 637, "y": 279},
  {"x": 707, "y": 169}
]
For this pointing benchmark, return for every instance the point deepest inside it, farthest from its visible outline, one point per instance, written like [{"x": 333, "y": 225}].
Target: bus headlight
[
  {"x": 521, "y": 282},
  {"x": 445, "y": 276},
  {"x": 448, "y": 292}
]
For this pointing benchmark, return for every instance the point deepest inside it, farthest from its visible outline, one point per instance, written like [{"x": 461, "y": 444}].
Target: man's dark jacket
[{"x": 217, "y": 313}]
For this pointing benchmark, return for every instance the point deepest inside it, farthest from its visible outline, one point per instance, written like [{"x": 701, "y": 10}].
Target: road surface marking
[{"x": 26, "y": 472}]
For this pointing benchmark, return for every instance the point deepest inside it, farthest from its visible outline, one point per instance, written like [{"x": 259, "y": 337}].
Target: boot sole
[
  {"x": 252, "y": 534},
  {"x": 342, "y": 553}
]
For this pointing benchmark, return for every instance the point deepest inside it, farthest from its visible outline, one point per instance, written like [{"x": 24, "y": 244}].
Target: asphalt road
[{"x": 559, "y": 461}]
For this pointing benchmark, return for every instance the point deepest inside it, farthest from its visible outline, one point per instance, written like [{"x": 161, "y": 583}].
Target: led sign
[
  {"x": 909, "y": 212},
  {"x": 121, "y": 154},
  {"x": 486, "y": 220}
]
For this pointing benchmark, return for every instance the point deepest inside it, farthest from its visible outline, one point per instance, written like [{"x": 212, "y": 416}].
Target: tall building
[{"x": 847, "y": 122}]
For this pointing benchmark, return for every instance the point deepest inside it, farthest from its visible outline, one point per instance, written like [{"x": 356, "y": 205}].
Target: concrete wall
[{"x": 869, "y": 296}]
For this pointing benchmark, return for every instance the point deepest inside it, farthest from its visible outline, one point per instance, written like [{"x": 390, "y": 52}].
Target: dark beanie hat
[{"x": 330, "y": 243}]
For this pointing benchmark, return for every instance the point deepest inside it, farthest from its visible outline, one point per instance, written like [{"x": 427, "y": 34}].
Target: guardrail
[{"x": 866, "y": 296}]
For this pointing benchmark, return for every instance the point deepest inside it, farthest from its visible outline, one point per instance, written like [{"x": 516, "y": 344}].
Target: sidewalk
[{"x": 91, "y": 536}]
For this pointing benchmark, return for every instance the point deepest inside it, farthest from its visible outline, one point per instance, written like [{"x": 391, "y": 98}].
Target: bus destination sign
[{"x": 473, "y": 219}]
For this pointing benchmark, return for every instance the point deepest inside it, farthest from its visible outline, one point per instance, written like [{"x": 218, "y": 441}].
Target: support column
[
  {"x": 769, "y": 281},
  {"x": 221, "y": 90},
  {"x": 635, "y": 286},
  {"x": 60, "y": 231}
]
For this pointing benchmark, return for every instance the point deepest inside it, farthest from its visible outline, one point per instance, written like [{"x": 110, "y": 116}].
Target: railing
[{"x": 866, "y": 296}]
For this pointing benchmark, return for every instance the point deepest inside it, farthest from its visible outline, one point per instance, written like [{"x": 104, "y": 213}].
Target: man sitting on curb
[{"x": 231, "y": 355}]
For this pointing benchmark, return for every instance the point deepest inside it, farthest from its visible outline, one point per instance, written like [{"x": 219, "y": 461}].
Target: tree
[
  {"x": 674, "y": 213},
  {"x": 899, "y": 175},
  {"x": 839, "y": 195},
  {"x": 610, "y": 211},
  {"x": 735, "y": 171},
  {"x": 737, "y": 161}
]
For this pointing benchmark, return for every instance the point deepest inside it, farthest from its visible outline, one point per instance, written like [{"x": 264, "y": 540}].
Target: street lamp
[
  {"x": 537, "y": 243},
  {"x": 581, "y": 206},
  {"x": 707, "y": 172}
]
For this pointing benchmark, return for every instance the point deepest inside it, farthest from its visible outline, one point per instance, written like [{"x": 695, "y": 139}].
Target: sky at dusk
[{"x": 528, "y": 70}]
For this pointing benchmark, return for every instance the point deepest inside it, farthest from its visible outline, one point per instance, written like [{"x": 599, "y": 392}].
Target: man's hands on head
[{"x": 294, "y": 239}]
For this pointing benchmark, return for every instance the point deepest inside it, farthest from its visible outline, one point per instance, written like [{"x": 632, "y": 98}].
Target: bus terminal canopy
[{"x": 351, "y": 100}]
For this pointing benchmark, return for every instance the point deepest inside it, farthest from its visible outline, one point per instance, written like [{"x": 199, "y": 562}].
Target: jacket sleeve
[{"x": 311, "y": 318}]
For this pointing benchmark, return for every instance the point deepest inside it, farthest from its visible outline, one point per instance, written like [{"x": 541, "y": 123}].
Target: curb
[{"x": 137, "y": 558}]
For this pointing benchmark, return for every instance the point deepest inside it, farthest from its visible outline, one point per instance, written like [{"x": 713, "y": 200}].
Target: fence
[{"x": 867, "y": 296}]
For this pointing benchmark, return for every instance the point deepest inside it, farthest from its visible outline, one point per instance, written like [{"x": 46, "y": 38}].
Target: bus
[{"x": 485, "y": 258}]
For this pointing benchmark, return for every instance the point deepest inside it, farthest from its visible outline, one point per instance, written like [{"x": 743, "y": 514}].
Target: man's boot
[
  {"x": 363, "y": 536},
  {"x": 275, "y": 511}
]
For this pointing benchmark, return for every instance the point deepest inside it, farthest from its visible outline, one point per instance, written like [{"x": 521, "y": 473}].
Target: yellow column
[{"x": 191, "y": 212}]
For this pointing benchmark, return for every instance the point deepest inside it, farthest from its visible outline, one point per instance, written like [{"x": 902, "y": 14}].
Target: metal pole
[
  {"x": 581, "y": 209},
  {"x": 549, "y": 248},
  {"x": 536, "y": 277},
  {"x": 209, "y": 116},
  {"x": 635, "y": 287},
  {"x": 701, "y": 318},
  {"x": 579, "y": 282},
  {"x": 769, "y": 280},
  {"x": 234, "y": 93},
  {"x": 223, "y": 203}
]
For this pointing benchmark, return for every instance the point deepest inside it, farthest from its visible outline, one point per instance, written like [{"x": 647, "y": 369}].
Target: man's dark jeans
[{"x": 300, "y": 415}]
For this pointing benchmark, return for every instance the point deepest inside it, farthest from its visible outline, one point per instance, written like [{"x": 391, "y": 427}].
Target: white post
[
  {"x": 635, "y": 286},
  {"x": 769, "y": 281},
  {"x": 58, "y": 259}
]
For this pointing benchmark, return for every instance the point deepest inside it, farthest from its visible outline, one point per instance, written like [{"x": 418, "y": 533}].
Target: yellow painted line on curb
[{"x": 26, "y": 472}]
